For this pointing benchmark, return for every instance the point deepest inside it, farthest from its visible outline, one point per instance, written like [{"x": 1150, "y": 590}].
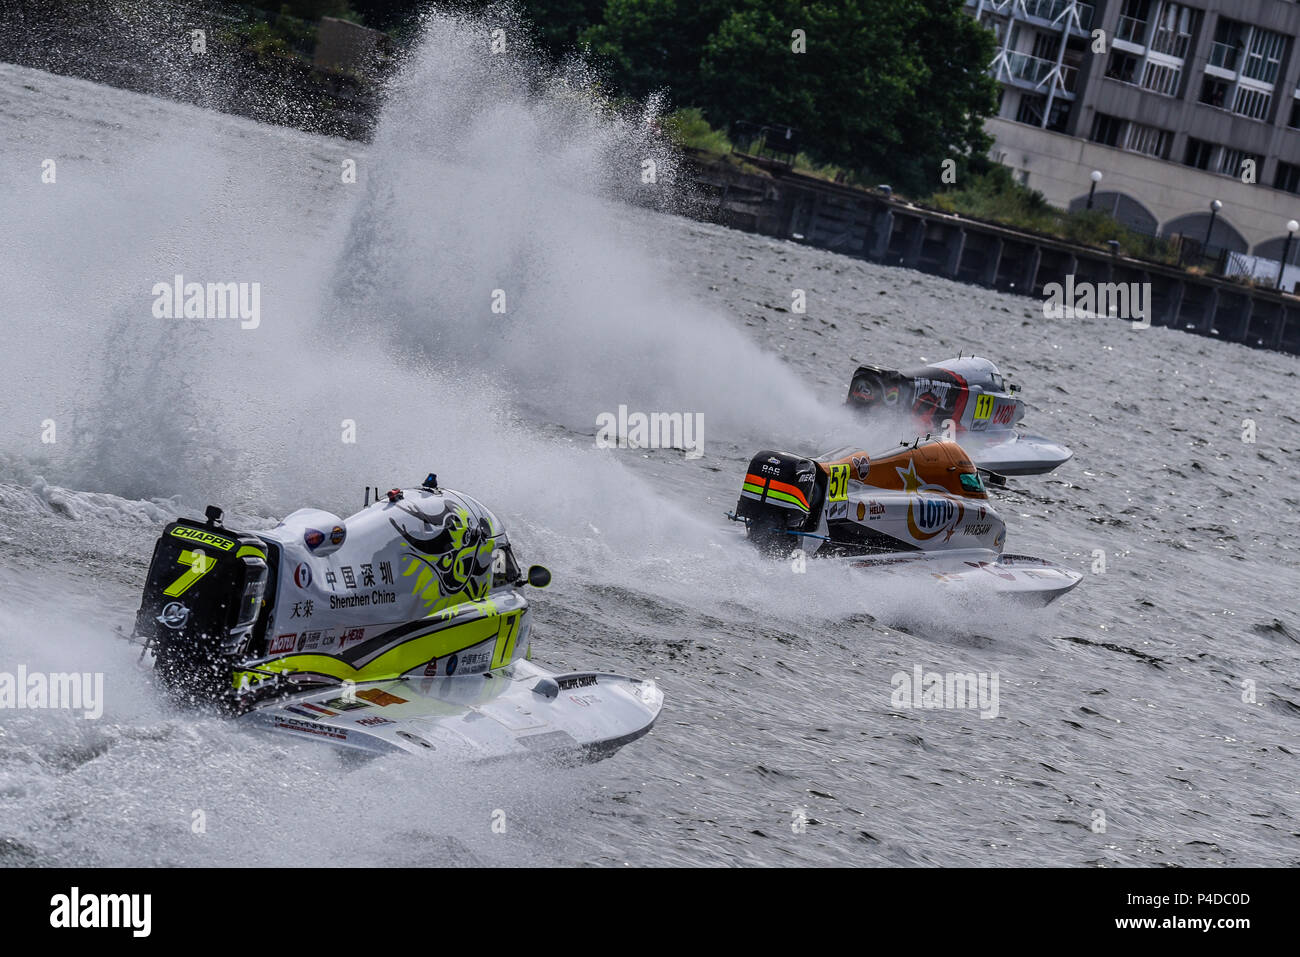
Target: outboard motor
[
  {"x": 782, "y": 493},
  {"x": 202, "y": 605},
  {"x": 873, "y": 387}
]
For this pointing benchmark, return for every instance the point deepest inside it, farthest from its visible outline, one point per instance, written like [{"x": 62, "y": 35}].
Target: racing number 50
[{"x": 837, "y": 488}]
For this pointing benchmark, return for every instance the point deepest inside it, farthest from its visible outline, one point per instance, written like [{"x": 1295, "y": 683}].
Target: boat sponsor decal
[
  {"x": 993, "y": 569},
  {"x": 977, "y": 528},
  {"x": 862, "y": 465},
  {"x": 313, "y": 538},
  {"x": 306, "y": 727},
  {"x": 380, "y": 697},
  {"x": 337, "y": 534},
  {"x": 302, "y": 575},
  {"x": 576, "y": 681},
  {"x": 837, "y": 510},
  {"x": 346, "y": 704},
  {"x": 312, "y": 706},
  {"x": 352, "y": 635},
  {"x": 584, "y": 700},
  {"x": 374, "y": 721},
  {"x": 174, "y": 615},
  {"x": 309, "y": 640},
  {"x": 931, "y": 510},
  {"x": 203, "y": 538},
  {"x": 281, "y": 644},
  {"x": 473, "y": 662}
]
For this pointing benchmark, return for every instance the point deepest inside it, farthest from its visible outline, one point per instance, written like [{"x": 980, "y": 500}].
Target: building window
[
  {"x": 1031, "y": 112},
  {"x": 1287, "y": 178},
  {"x": 1122, "y": 66},
  {"x": 1214, "y": 92},
  {"x": 1107, "y": 130},
  {"x": 1294, "y": 121},
  {"x": 1133, "y": 21},
  {"x": 1264, "y": 55},
  {"x": 1233, "y": 162},
  {"x": 1148, "y": 140},
  {"x": 1198, "y": 153},
  {"x": 1174, "y": 26},
  {"x": 1229, "y": 37},
  {"x": 1046, "y": 46},
  {"x": 1161, "y": 79},
  {"x": 1252, "y": 103}
]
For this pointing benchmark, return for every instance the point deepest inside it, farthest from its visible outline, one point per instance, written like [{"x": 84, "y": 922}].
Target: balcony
[
  {"x": 1132, "y": 30},
  {"x": 1224, "y": 56},
  {"x": 1034, "y": 71},
  {"x": 1261, "y": 69},
  {"x": 1049, "y": 11},
  {"x": 1168, "y": 42},
  {"x": 1053, "y": 10}
]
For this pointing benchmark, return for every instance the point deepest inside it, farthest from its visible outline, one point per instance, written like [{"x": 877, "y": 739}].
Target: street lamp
[
  {"x": 1096, "y": 178},
  {"x": 1291, "y": 228},
  {"x": 1214, "y": 211}
]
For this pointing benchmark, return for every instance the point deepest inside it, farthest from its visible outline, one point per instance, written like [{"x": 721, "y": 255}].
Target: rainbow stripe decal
[{"x": 786, "y": 495}]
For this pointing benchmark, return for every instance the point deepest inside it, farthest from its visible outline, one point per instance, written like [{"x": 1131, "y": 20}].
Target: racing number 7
[
  {"x": 837, "y": 488},
  {"x": 197, "y": 565}
]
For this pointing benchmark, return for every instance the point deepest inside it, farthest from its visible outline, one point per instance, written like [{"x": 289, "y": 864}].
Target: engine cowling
[
  {"x": 781, "y": 496},
  {"x": 202, "y": 605}
]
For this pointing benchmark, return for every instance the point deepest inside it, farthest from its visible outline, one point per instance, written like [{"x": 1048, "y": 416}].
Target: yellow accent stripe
[{"x": 410, "y": 654}]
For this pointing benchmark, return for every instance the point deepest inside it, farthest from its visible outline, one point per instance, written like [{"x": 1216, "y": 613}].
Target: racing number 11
[{"x": 983, "y": 407}]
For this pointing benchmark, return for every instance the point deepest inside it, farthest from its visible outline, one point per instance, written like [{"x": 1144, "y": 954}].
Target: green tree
[
  {"x": 654, "y": 45},
  {"x": 886, "y": 87}
]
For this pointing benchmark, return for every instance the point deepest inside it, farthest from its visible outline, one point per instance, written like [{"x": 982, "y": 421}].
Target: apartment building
[{"x": 1189, "y": 110}]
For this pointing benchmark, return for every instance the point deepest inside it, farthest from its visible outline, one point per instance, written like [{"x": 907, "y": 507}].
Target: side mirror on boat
[{"x": 539, "y": 576}]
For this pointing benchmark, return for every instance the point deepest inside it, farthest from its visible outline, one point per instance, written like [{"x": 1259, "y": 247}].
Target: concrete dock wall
[{"x": 874, "y": 226}]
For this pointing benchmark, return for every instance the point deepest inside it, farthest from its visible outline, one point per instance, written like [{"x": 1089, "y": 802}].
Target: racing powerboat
[
  {"x": 921, "y": 508},
  {"x": 965, "y": 399},
  {"x": 400, "y": 629}
]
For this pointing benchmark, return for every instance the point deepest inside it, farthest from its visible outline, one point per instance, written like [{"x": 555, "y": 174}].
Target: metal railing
[
  {"x": 1035, "y": 70},
  {"x": 1224, "y": 55},
  {"x": 1259, "y": 68},
  {"x": 1171, "y": 43},
  {"x": 1132, "y": 30},
  {"x": 1049, "y": 10}
]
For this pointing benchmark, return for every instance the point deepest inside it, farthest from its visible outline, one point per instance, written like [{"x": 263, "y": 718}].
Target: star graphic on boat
[{"x": 911, "y": 481}]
